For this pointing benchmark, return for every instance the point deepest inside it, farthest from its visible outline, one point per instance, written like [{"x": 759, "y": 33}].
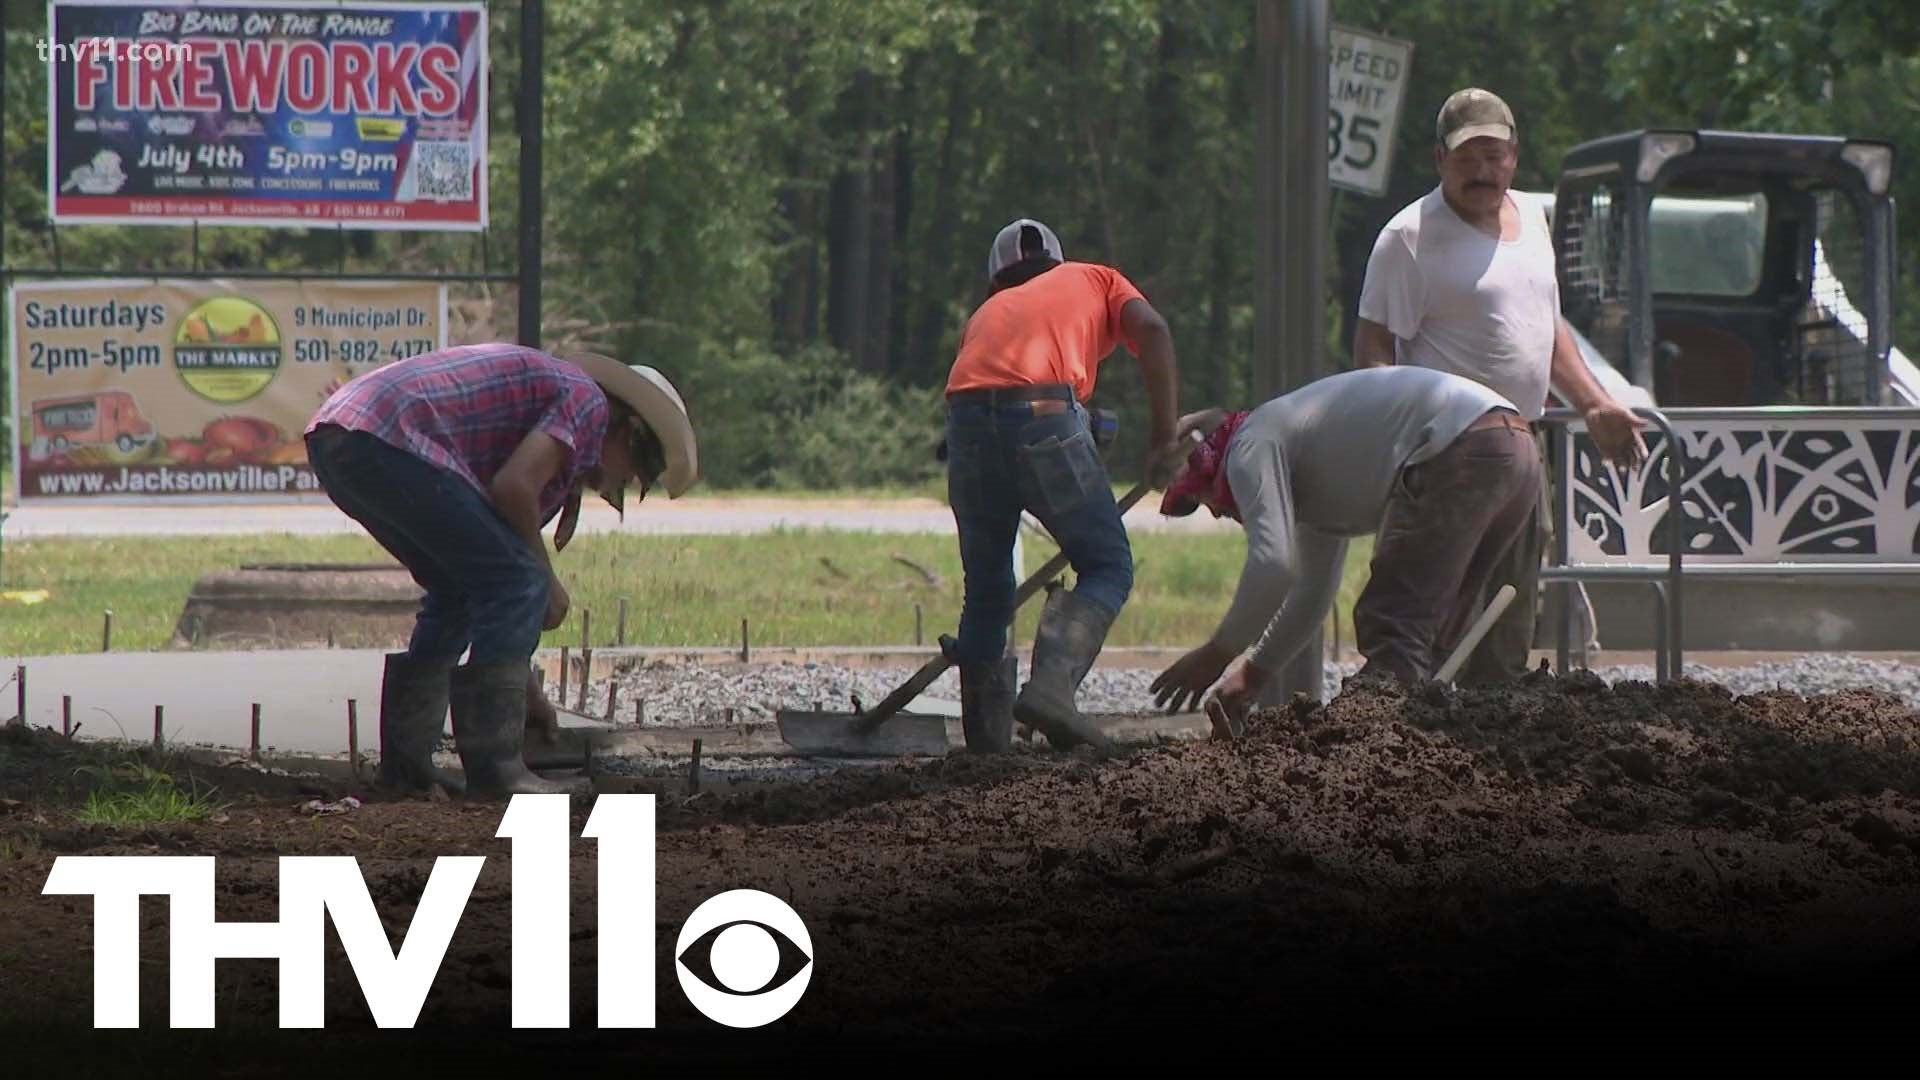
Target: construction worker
[
  {"x": 1463, "y": 280},
  {"x": 1443, "y": 469},
  {"x": 454, "y": 461},
  {"x": 1018, "y": 438}
]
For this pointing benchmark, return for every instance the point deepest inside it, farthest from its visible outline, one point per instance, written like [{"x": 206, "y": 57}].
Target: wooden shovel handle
[{"x": 866, "y": 722}]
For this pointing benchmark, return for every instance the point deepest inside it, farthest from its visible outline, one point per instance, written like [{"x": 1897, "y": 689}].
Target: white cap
[{"x": 1006, "y": 248}]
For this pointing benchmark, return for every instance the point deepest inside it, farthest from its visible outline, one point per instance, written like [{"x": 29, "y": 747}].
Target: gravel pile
[
  {"x": 1806, "y": 675},
  {"x": 691, "y": 695},
  {"x": 683, "y": 695}
]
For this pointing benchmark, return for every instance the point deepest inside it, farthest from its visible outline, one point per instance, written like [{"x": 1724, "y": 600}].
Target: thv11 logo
[{"x": 742, "y": 930}]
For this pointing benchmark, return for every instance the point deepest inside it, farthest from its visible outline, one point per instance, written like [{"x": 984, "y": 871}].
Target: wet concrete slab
[{"x": 207, "y": 697}]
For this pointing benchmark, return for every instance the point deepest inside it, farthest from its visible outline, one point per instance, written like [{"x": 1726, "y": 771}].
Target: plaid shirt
[{"x": 467, "y": 408}]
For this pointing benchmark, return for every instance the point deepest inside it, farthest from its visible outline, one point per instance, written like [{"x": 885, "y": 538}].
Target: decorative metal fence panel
[{"x": 1763, "y": 486}]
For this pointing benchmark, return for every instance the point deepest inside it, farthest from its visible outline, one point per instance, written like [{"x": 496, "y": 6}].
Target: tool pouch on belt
[{"x": 1106, "y": 426}]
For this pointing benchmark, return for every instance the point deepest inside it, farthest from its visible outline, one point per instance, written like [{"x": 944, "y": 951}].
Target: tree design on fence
[{"x": 1816, "y": 491}]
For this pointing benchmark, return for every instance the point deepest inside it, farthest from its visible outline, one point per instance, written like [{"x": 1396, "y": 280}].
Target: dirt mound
[
  {"x": 1552, "y": 849},
  {"x": 832, "y": 796},
  {"x": 1682, "y": 753}
]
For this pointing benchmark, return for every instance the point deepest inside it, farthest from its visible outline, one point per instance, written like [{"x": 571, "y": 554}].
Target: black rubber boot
[
  {"x": 413, "y": 712},
  {"x": 1070, "y": 635},
  {"x": 986, "y": 704},
  {"x": 489, "y": 732}
]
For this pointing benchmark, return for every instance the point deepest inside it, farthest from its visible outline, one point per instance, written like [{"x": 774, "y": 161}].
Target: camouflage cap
[{"x": 1473, "y": 113}]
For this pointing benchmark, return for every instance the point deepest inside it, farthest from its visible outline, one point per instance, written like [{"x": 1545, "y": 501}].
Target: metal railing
[
  {"x": 1666, "y": 581},
  {"x": 1687, "y": 493}
]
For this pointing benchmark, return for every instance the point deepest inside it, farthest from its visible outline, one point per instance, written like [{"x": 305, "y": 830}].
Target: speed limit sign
[{"x": 1366, "y": 85}]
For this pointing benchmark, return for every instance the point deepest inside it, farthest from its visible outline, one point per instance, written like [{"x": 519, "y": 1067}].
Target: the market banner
[
  {"x": 128, "y": 391},
  {"x": 361, "y": 115}
]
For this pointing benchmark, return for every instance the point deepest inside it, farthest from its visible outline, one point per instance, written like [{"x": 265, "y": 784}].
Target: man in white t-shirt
[{"x": 1462, "y": 280}]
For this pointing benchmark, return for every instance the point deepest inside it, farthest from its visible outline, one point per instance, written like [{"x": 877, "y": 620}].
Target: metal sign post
[{"x": 1291, "y": 197}]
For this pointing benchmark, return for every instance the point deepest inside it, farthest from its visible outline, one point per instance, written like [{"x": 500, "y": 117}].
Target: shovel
[
  {"x": 858, "y": 734},
  {"x": 1495, "y": 608}
]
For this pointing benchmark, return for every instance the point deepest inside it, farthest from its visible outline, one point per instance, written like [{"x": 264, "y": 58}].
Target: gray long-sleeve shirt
[{"x": 1314, "y": 468}]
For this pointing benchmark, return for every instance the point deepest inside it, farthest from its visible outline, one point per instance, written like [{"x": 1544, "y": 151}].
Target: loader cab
[{"x": 1719, "y": 268}]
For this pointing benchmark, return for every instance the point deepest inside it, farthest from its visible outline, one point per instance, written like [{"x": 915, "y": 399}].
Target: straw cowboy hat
[{"x": 658, "y": 404}]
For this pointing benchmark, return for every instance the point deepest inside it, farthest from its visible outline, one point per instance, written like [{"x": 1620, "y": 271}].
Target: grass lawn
[{"x": 797, "y": 587}]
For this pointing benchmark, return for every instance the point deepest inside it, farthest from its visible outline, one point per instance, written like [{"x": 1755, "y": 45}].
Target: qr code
[{"x": 445, "y": 170}]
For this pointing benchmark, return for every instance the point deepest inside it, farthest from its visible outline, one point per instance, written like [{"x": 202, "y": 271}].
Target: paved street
[{"x": 662, "y": 517}]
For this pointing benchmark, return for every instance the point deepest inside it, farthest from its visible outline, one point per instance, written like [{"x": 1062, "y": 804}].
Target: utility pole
[
  {"x": 1290, "y": 230},
  {"x": 529, "y": 112}
]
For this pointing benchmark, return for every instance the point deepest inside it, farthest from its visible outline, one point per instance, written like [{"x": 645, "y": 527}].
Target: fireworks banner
[
  {"x": 141, "y": 391},
  {"x": 362, "y": 115}
]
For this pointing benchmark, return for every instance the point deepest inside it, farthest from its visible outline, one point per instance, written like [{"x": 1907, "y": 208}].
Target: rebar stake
[
  {"x": 106, "y": 632},
  {"x": 586, "y": 672},
  {"x": 253, "y": 746},
  {"x": 693, "y": 770},
  {"x": 353, "y": 736},
  {"x": 66, "y": 715},
  {"x": 157, "y": 714}
]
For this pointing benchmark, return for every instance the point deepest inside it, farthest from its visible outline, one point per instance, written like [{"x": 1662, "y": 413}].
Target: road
[{"x": 690, "y": 516}]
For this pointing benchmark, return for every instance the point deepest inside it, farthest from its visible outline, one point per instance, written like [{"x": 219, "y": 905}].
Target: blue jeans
[
  {"x": 1002, "y": 459},
  {"x": 484, "y": 586}
]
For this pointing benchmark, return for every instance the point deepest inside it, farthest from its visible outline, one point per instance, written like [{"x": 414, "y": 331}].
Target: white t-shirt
[{"x": 1462, "y": 301}]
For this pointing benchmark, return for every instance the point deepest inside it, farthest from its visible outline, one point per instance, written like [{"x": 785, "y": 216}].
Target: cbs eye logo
[{"x": 743, "y": 958}]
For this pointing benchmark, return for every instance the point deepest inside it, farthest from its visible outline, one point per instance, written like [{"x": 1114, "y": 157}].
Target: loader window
[{"x": 1708, "y": 246}]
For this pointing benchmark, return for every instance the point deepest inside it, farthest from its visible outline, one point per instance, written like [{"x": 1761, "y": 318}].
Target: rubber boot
[
  {"x": 542, "y": 719},
  {"x": 489, "y": 732},
  {"x": 413, "y": 710},
  {"x": 1070, "y": 635},
  {"x": 986, "y": 704}
]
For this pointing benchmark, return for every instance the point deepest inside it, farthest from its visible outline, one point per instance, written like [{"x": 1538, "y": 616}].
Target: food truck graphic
[{"x": 104, "y": 418}]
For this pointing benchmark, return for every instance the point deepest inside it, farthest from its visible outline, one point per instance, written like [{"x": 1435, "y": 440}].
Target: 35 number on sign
[{"x": 1341, "y": 137}]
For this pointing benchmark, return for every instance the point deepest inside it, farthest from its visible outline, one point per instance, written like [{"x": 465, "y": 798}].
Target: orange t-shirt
[{"x": 1056, "y": 328}]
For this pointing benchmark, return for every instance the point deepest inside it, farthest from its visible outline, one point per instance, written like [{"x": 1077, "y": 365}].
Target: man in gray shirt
[{"x": 1440, "y": 467}]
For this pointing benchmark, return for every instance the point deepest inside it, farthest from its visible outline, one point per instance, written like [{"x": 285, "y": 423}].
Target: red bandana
[{"x": 1204, "y": 481}]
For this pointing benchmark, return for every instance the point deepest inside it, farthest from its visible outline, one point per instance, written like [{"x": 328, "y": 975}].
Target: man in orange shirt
[{"x": 1018, "y": 438}]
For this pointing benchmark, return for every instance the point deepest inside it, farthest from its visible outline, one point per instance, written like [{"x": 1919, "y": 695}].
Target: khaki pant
[
  {"x": 1502, "y": 654},
  {"x": 1448, "y": 529}
]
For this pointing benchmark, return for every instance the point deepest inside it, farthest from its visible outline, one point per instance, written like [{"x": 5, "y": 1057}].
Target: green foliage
[
  {"x": 808, "y": 421},
  {"x": 133, "y": 793},
  {"x": 799, "y": 587},
  {"x": 785, "y": 204}
]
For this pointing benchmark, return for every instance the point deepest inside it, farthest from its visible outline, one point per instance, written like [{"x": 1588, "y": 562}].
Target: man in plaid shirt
[{"x": 454, "y": 461}]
